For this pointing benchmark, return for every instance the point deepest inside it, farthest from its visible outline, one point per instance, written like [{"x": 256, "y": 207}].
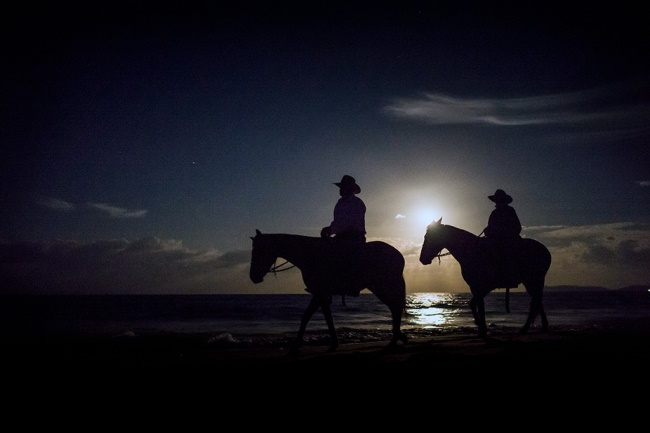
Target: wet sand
[{"x": 626, "y": 350}]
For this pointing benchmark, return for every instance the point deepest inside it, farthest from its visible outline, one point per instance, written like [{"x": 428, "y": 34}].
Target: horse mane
[
  {"x": 290, "y": 236},
  {"x": 306, "y": 243},
  {"x": 465, "y": 233}
]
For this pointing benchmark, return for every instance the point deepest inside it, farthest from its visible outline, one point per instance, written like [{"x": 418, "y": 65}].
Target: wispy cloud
[
  {"x": 643, "y": 183},
  {"x": 55, "y": 204},
  {"x": 615, "y": 107},
  {"x": 113, "y": 211},
  {"x": 118, "y": 212},
  {"x": 603, "y": 251},
  {"x": 147, "y": 265},
  {"x": 613, "y": 255}
]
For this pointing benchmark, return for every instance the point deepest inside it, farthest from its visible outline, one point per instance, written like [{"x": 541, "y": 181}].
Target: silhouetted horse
[
  {"x": 532, "y": 261},
  {"x": 381, "y": 270}
]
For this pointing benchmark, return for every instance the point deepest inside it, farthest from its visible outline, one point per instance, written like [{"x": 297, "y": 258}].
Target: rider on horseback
[
  {"x": 349, "y": 230},
  {"x": 502, "y": 233}
]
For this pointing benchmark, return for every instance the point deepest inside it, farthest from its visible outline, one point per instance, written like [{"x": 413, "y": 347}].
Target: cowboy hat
[
  {"x": 348, "y": 182},
  {"x": 500, "y": 196}
]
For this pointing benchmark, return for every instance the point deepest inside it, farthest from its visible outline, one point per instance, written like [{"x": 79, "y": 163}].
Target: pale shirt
[{"x": 349, "y": 214}]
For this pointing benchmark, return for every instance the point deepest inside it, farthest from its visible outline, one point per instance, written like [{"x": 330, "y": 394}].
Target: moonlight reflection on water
[{"x": 431, "y": 310}]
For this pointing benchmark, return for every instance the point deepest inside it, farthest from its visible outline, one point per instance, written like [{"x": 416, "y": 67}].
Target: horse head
[
  {"x": 262, "y": 258},
  {"x": 433, "y": 242}
]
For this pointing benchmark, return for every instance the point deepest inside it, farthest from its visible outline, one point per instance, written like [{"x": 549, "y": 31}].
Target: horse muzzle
[
  {"x": 425, "y": 261},
  {"x": 257, "y": 279}
]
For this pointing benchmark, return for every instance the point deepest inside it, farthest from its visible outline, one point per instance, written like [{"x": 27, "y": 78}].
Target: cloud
[
  {"x": 608, "y": 255},
  {"x": 598, "y": 254},
  {"x": 622, "y": 230},
  {"x": 625, "y": 253},
  {"x": 55, "y": 204},
  {"x": 400, "y": 216},
  {"x": 643, "y": 183},
  {"x": 631, "y": 253},
  {"x": 117, "y": 212},
  {"x": 613, "y": 107},
  {"x": 143, "y": 266},
  {"x": 113, "y": 211}
]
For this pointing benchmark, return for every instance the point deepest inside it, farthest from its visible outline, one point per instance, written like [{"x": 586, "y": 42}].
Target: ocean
[{"x": 273, "y": 320}]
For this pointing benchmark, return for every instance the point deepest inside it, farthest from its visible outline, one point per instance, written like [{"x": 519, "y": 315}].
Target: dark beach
[{"x": 621, "y": 351}]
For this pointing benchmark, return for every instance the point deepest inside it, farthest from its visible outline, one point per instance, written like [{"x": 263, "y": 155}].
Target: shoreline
[{"x": 624, "y": 350}]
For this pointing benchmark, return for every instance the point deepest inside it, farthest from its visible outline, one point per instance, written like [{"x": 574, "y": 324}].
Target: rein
[
  {"x": 278, "y": 268},
  {"x": 441, "y": 255}
]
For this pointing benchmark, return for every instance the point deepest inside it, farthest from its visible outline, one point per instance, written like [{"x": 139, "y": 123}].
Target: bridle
[
  {"x": 448, "y": 253},
  {"x": 440, "y": 255},
  {"x": 278, "y": 268}
]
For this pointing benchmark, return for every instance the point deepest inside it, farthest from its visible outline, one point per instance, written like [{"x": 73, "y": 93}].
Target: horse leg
[
  {"x": 393, "y": 295},
  {"x": 472, "y": 306},
  {"x": 327, "y": 312},
  {"x": 398, "y": 335},
  {"x": 314, "y": 303},
  {"x": 532, "y": 313},
  {"x": 536, "y": 308},
  {"x": 396, "y": 308},
  {"x": 477, "y": 305},
  {"x": 542, "y": 314}
]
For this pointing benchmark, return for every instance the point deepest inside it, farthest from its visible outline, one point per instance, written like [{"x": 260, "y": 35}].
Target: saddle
[
  {"x": 346, "y": 261},
  {"x": 504, "y": 254}
]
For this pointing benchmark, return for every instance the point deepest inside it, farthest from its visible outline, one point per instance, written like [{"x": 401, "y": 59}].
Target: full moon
[{"x": 425, "y": 215}]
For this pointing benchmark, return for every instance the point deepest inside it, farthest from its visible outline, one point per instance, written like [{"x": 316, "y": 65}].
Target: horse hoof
[{"x": 295, "y": 350}]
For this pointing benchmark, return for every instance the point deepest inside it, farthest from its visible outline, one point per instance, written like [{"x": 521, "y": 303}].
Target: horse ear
[
  {"x": 439, "y": 221},
  {"x": 258, "y": 233}
]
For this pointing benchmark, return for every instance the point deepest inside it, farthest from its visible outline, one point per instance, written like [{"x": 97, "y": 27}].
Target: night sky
[{"x": 144, "y": 142}]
